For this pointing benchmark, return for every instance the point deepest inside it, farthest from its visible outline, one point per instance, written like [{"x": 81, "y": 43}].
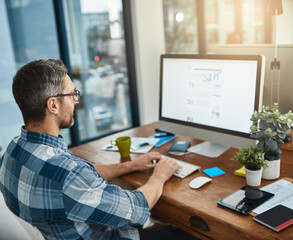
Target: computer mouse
[{"x": 198, "y": 182}]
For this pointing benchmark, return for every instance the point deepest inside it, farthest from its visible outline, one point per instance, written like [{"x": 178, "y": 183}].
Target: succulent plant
[
  {"x": 251, "y": 158},
  {"x": 269, "y": 129}
]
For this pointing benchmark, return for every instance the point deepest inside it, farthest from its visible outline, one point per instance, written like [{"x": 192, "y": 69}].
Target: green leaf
[
  {"x": 275, "y": 145},
  {"x": 269, "y": 128},
  {"x": 260, "y": 145},
  {"x": 263, "y": 124},
  {"x": 254, "y": 136},
  {"x": 271, "y": 120},
  {"x": 274, "y": 107},
  {"x": 260, "y": 134},
  {"x": 251, "y": 158},
  {"x": 282, "y": 135},
  {"x": 253, "y": 128},
  {"x": 269, "y": 142},
  {"x": 270, "y": 132}
]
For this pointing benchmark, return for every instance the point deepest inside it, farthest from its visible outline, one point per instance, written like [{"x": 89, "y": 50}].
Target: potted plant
[
  {"x": 269, "y": 129},
  {"x": 254, "y": 162}
]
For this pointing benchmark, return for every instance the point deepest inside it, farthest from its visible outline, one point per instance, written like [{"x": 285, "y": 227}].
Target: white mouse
[{"x": 198, "y": 182}]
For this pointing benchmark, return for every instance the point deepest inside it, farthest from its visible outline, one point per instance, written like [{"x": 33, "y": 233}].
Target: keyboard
[{"x": 187, "y": 168}]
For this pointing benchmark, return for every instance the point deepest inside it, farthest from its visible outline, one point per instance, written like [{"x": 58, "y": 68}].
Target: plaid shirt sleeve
[{"x": 89, "y": 198}]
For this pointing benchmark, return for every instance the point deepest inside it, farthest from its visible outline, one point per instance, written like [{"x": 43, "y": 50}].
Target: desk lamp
[{"x": 275, "y": 7}]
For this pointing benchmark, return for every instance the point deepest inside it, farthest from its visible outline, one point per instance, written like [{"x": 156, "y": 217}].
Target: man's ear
[{"x": 53, "y": 105}]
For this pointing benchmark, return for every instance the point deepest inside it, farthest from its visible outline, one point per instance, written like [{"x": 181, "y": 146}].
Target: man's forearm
[
  {"x": 111, "y": 171},
  {"x": 152, "y": 190}
]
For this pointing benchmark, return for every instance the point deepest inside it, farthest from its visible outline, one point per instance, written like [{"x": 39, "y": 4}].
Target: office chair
[{"x": 32, "y": 231}]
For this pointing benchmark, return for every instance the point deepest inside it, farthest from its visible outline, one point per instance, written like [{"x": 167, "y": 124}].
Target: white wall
[
  {"x": 284, "y": 21},
  {"x": 149, "y": 42},
  {"x": 285, "y": 56}
]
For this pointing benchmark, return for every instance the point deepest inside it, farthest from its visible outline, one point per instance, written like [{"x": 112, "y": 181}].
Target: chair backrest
[{"x": 32, "y": 231}]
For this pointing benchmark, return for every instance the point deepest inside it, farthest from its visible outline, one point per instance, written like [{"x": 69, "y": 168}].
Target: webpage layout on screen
[{"x": 212, "y": 92}]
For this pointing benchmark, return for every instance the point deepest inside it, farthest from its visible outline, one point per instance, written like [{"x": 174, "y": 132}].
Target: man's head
[{"x": 34, "y": 86}]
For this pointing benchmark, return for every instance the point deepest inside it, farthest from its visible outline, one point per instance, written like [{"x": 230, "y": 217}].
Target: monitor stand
[{"x": 208, "y": 149}]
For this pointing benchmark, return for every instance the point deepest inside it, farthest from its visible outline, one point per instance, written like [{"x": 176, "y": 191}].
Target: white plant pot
[
  {"x": 253, "y": 177},
  {"x": 272, "y": 171}
]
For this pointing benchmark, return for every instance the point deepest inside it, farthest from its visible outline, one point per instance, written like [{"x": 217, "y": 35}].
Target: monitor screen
[{"x": 212, "y": 94}]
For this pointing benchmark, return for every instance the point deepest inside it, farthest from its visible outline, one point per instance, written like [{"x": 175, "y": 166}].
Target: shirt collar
[{"x": 46, "y": 139}]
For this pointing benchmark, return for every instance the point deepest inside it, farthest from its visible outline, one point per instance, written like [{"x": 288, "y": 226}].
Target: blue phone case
[{"x": 179, "y": 146}]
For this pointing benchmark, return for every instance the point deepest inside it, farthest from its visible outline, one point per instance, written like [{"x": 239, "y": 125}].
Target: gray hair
[{"x": 34, "y": 83}]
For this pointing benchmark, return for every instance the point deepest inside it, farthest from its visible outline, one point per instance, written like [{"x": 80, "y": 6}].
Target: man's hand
[
  {"x": 165, "y": 168},
  {"x": 145, "y": 161},
  {"x": 142, "y": 163}
]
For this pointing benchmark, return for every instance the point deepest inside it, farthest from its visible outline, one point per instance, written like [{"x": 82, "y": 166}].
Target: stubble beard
[{"x": 67, "y": 123}]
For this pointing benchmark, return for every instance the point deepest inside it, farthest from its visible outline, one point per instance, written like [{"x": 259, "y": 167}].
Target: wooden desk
[{"x": 195, "y": 211}]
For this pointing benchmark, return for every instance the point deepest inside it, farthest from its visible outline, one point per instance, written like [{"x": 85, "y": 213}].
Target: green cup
[{"x": 123, "y": 144}]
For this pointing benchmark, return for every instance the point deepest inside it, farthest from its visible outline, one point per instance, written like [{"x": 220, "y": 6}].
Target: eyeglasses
[{"x": 75, "y": 94}]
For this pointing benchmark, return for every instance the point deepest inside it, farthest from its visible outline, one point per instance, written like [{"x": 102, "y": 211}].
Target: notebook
[
  {"x": 276, "y": 218},
  {"x": 179, "y": 147}
]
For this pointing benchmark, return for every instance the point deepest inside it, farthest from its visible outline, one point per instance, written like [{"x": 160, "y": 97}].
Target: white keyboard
[{"x": 187, "y": 168}]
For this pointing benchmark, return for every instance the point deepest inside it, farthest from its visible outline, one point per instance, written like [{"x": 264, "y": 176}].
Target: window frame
[
  {"x": 64, "y": 53},
  {"x": 200, "y": 11}
]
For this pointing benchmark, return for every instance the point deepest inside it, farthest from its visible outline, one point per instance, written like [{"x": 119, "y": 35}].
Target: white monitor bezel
[{"x": 209, "y": 133}]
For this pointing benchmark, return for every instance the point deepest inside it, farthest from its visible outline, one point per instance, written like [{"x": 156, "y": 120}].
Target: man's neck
[{"x": 43, "y": 127}]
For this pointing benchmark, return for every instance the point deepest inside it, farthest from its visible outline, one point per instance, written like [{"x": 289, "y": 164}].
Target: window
[
  {"x": 95, "y": 46},
  {"x": 25, "y": 28},
  {"x": 180, "y": 26},
  {"x": 253, "y": 30},
  {"x": 219, "y": 22},
  {"x": 97, "y": 53},
  {"x": 222, "y": 22}
]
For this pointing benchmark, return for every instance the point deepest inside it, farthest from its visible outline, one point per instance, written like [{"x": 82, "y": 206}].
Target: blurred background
[{"x": 112, "y": 50}]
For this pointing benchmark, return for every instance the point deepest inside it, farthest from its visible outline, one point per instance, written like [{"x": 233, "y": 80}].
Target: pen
[{"x": 140, "y": 145}]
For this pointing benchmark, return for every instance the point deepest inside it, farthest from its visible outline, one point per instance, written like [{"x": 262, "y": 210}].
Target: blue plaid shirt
[{"x": 64, "y": 196}]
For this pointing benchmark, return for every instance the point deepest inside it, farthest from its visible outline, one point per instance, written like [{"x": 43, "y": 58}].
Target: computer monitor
[{"x": 211, "y": 97}]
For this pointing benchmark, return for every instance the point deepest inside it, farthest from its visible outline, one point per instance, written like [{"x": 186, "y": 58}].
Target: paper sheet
[
  {"x": 134, "y": 142},
  {"x": 283, "y": 191}
]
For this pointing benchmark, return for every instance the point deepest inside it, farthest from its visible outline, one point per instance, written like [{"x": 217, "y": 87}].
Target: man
[{"x": 62, "y": 195}]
